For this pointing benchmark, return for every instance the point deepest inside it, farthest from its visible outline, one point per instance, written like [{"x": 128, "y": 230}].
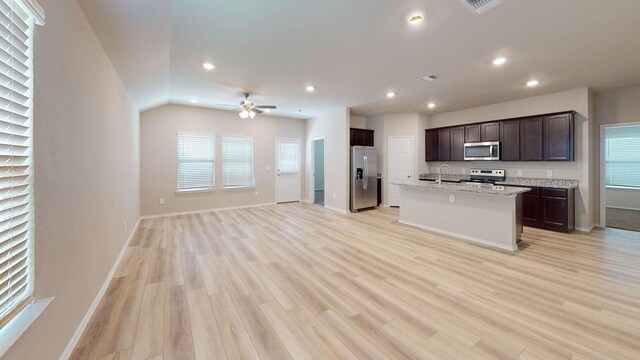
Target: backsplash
[{"x": 559, "y": 170}]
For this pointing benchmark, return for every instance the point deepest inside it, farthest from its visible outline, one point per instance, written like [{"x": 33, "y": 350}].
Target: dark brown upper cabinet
[
  {"x": 531, "y": 139},
  {"x": 431, "y": 146},
  {"x": 361, "y": 137},
  {"x": 444, "y": 144},
  {"x": 510, "y": 137},
  {"x": 490, "y": 131},
  {"x": 472, "y": 133},
  {"x": 558, "y": 137},
  {"x": 457, "y": 143}
]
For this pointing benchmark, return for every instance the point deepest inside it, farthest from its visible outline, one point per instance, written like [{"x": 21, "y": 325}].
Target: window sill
[
  {"x": 622, "y": 188},
  {"x": 15, "y": 328},
  {"x": 193, "y": 191},
  {"x": 239, "y": 188}
]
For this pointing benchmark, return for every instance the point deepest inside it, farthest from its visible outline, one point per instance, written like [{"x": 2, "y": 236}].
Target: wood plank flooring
[{"x": 296, "y": 281}]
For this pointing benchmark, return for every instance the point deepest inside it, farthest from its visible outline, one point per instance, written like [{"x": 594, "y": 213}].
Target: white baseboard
[
  {"x": 463, "y": 237},
  {"x": 336, "y": 209},
  {"x": 587, "y": 229},
  {"x": 621, "y": 208},
  {"x": 204, "y": 211},
  {"x": 96, "y": 301}
]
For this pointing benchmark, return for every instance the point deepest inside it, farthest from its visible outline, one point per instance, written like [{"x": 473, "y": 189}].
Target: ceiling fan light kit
[{"x": 249, "y": 110}]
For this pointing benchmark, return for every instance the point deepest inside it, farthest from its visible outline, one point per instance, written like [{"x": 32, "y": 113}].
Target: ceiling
[{"x": 355, "y": 51}]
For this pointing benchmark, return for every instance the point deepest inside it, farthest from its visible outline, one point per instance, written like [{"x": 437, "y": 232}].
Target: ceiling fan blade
[
  {"x": 257, "y": 111},
  {"x": 267, "y": 107}
]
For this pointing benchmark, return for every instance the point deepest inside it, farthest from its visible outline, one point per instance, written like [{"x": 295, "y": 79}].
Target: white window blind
[
  {"x": 622, "y": 156},
  {"x": 289, "y": 158},
  {"x": 196, "y": 161},
  {"x": 237, "y": 162},
  {"x": 16, "y": 170}
]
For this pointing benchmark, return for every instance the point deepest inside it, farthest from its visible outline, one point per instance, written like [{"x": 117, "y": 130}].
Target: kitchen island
[{"x": 488, "y": 215}]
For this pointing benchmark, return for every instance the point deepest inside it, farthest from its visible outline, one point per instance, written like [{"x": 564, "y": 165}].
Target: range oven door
[{"x": 482, "y": 150}]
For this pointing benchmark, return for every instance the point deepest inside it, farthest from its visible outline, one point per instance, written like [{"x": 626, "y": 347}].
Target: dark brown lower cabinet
[{"x": 548, "y": 208}]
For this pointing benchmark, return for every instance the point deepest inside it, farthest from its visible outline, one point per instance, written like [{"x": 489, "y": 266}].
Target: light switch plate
[
  {"x": 549, "y": 173},
  {"x": 161, "y": 201},
  {"x": 268, "y": 167}
]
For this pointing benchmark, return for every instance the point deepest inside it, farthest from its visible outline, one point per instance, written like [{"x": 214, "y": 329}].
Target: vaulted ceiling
[{"x": 355, "y": 51}]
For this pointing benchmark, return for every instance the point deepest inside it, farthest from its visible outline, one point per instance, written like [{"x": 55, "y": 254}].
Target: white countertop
[{"x": 497, "y": 190}]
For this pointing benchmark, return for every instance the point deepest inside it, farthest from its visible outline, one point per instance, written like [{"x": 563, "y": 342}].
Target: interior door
[
  {"x": 400, "y": 165},
  {"x": 287, "y": 170}
]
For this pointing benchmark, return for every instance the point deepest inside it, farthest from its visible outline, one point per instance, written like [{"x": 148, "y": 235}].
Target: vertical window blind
[
  {"x": 16, "y": 170},
  {"x": 622, "y": 156},
  {"x": 196, "y": 161},
  {"x": 237, "y": 162},
  {"x": 289, "y": 158}
]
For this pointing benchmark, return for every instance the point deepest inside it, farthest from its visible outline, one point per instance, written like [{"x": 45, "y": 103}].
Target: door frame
[
  {"x": 387, "y": 168},
  {"x": 312, "y": 183},
  {"x": 275, "y": 167},
  {"x": 603, "y": 169}
]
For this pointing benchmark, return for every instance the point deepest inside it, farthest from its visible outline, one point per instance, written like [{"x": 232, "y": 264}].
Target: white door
[
  {"x": 287, "y": 170},
  {"x": 400, "y": 165}
]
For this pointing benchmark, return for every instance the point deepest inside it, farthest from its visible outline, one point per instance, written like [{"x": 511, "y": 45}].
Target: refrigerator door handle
[{"x": 365, "y": 176}]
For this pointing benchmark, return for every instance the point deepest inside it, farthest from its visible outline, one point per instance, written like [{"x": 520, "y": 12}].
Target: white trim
[
  {"x": 35, "y": 9},
  {"x": 622, "y": 208},
  {"x": 191, "y": 212},
  {"x": 387, "y": 167},
  {"x": 96, "y": 301},
  {"x": 195, "y": 190},
  {"x": 342, "y": 211},
  {"x": 603, "y": 169},
  {"x": 11, "y": 332},
  {"x": 462, "y": 237},
  {"x": 585, "y": 229}
]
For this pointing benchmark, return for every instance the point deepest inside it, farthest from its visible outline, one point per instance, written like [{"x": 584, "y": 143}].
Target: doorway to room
[
  {"x": 620, "y": 178},
  {"x": 287, "y": 170},
  {"x": 317, "y": 155}
]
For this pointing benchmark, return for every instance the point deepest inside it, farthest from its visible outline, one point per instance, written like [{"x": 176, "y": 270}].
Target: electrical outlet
[
  {"x": 519, "y": 172},
  {"x": 452, "y": 198},
  {"x": 334, "y": 195},
  {"x": 268, "y": 167},
  {"x": 257, "y": 193},
  {"x": 549, "y": 173},
  {"x": 161, "y": 201}
]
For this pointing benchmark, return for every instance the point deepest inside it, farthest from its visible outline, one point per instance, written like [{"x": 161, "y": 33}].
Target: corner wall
[
  {"x": 334, "y": 127},
  {"x": 86, "y": 156}
]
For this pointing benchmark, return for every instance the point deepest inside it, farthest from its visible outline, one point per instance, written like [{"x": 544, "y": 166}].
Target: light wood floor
[{"x": 296, "y": 281}]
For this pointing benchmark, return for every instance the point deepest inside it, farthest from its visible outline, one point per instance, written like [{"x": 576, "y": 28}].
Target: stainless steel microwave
[{"x": 489, "y": 150}]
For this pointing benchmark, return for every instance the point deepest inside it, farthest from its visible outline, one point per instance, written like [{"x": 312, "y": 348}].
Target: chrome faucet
[{"x": 439, "y": 181}]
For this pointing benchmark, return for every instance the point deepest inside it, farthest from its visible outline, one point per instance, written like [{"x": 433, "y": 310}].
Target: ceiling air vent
[
  {"x": 480, "y": 6},
  {"x": 429, "y": 77}
]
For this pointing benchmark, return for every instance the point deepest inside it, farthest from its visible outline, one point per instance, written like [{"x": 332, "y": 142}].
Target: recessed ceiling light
[
  {"x": 431, "y": 105},
  {"x": 499, "y": 61},
  {"x": 310, "y": 88},
  {"x": 208, "y": 66},
  {"x": 415, "y": 18},
  {"x": 193, "y": 101},
  {"x": 532, "y": 83},
  {"x": 391, "y": 94}
]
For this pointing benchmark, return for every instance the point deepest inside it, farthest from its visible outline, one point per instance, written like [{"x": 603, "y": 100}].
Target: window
[
  {"x": 622, "y": 156},
  {"x": 196, "y": 162},
  {"x": 289, "y": 162},
  {"x": 237, "y": 162},
  {"x": 16, "y": 170}
]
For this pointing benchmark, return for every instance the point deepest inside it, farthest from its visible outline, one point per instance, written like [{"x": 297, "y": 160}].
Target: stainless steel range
[{"x": 485, "y": 177}]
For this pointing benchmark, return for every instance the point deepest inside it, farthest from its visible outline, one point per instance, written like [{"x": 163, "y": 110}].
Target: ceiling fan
[{"x": 249, "y": 110}]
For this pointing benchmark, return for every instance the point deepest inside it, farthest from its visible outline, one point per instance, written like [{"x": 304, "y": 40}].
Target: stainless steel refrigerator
[{"x": 364, "y": 182}]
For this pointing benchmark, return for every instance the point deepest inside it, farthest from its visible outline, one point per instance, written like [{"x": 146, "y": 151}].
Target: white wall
[
  {"x": 623, "y": 198},
  {"x": 580, "y": 169},
  {"x": 334, "y": 126},
  {"x": 411, "y": 124},
  {"x": 358, "y": 122},
  {"x": 158, "y": 152},
  {"x": 617, "y": 106},
  {"x": 86, "y": 135}
]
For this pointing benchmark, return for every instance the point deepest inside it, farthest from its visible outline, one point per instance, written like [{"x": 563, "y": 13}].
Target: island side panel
[{"x": 486, "y": 219}]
